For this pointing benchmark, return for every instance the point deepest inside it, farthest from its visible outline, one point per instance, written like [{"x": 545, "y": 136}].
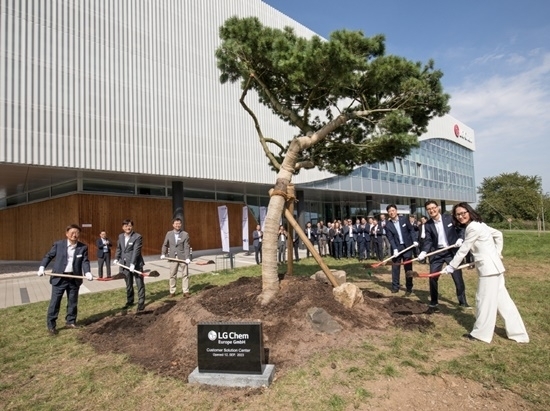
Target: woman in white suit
[{"x": 485, "y": 244}]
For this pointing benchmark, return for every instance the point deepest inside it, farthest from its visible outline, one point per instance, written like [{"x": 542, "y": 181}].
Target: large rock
[
  {"x": 320, "y": 276},
  {"x": 348, "y": 295},
  {"x": 322, "y": 322}
]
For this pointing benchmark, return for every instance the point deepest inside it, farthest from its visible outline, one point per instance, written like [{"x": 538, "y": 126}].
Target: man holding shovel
[
  {"x": 400, "y": 234},
  {"x": 176, "y": 248},
  {"x": 71, "y": 260},
  {"x": 440, "y": 234},
  {"x": 128, "y": 253}
]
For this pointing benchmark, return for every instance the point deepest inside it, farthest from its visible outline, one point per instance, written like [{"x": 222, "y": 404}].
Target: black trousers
[
  {"x": 436, "y": 264},
  {"x": 106, "y": 259},
  {"x": 71, "y": 287}
]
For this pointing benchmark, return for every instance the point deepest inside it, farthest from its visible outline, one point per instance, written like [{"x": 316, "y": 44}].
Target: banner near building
[
  {"x": 223, "y": 217},
  {"x": 245, "y": 228}
]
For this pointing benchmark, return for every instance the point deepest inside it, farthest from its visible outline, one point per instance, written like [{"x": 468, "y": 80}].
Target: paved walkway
[{"x": 20, "y": 285}]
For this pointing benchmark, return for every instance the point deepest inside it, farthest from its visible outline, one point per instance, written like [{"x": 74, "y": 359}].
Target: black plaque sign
[{"x": 230, "y": 347}]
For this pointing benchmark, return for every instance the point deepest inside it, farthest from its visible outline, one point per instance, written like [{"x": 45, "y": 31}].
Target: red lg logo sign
[{"x": 457, "y": 130}]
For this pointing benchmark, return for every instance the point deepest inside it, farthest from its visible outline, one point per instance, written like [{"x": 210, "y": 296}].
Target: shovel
[
  {"x": 153, "y": 273},
  {"x": 77, "y": 277},
  {"x": 427, "y": 255},
  {"x": 177, "y": 260},
  {"x": 391, "y": 257},
  {"x": 414, "y": 274}
]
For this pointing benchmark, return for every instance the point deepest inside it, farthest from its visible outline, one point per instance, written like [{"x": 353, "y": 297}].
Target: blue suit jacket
[
  {"x": 431, "y": 241},
  {"x": 99, "y": 244},
  {"x": 81, "y": 263},
  {"x": 407, "y": 232}
]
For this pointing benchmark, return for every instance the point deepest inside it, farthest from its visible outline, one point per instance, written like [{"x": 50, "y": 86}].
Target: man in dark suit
[
  {"x": 349, "y": 242},
  {"x": 440, "y": 233},
  {"x": 311, "y": 234},
  {"x": 103, "y": 254},
  {"x": 71, "y": 258},
  {"x": 400, "y": 234},
  {"x": 258, "y": 237},
  {"x": 128, "y": 253},
  {"x": 176, "y": 245}
]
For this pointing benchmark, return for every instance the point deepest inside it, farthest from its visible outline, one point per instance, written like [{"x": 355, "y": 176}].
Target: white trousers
[{"x": 492, "y": 297}]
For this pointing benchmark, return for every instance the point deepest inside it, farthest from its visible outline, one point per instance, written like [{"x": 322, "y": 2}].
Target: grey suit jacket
[
  {"x": 131, "y": 252},
  {"x": 179, "y": 249},
  {"x": 485, "y": 243}
]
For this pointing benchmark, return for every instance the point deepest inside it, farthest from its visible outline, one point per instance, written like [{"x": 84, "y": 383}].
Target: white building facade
[{"x": 123, "y": 97}]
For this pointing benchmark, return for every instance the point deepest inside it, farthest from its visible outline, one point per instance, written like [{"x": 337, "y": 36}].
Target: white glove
[
  {"x": 459, "y": 242},
  {"x": 448, "y": 270},
  {"x": 89, "y": 276},
  {"x": 395, "y": 253},
  {"x": 41, "y": 271},
  {"x": 187, "y": 261},
  {"x": 162, "y": 256},
  {"x": 422, "y": 256},
  {"x": 132, "y": 267},
  {"x": 115, "y": 262},
  {"x": 415, "y": 243}
]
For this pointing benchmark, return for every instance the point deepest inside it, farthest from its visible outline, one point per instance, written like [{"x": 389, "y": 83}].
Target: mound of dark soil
[{"x": 163, "y": 339}]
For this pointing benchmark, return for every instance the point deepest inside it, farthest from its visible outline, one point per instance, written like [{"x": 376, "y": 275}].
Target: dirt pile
[{"x": 163, "y": 339}]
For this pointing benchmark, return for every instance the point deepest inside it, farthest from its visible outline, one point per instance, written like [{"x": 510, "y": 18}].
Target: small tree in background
[
  {"x": 350, "y": 103},
  {"x": 511, "y": 195}
]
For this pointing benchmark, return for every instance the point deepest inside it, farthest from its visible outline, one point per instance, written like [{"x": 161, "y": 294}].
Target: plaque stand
[{"x": 233, "y": 379}]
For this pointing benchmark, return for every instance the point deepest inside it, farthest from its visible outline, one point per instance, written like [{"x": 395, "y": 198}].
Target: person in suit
[
  {"x": 349, "y": 242},
  {"x": 387, "y": 246},
  {"x": 311, "y": 234},
  {"x": 282, "y": 236},
  {"x": 296, "y": 245},
  {"x": 376, "y": 240},
  {"x": 492, "y": 298},
  {"x": 103, "y": 254},
  {"x": 258, "y": 236},
  {"x": 359, "y": 228},
  {"x": 322, "y": 237},
  {"x": 176, "y": 245},
  {"x": 440, "y": 233},
  {"x": 71, "y": 257},
  {"x": 128, "y": 253},
  {"x": 337, "y": 240},
  {"x": 400, "y": 234}
]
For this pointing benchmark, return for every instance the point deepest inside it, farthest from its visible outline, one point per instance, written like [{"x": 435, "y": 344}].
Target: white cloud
[{"x": 508, "y": 111}]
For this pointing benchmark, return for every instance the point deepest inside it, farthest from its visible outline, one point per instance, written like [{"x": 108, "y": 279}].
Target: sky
[{"x": 495, "y": 56}]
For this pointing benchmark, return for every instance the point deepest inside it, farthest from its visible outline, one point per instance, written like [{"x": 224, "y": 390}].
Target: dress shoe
[
  {"x": 186, "y": 295},
  {"x": 141, "y": 307},
  {"x": 465, "y": 306},
  {"x": 71, "y": 326},
  {"x": 394, "y": 290},
  {"x": 408, "y": 293},
  {"x": 127, "y": 306},
  {"x": 52, "y": 331},
  {"x": 172, "y": 294},
  {"x": 432, "y": 308},
  {"x": 469, "y": 337}
]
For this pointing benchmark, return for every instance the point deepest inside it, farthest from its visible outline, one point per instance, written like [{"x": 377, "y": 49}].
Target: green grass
[{"x": 42, "y": 373}]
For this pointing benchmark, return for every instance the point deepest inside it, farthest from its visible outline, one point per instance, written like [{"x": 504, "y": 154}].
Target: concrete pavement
[{"x": 20, "y": 285}]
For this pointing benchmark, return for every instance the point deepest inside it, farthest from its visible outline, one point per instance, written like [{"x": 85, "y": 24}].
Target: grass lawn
[{"x": 39, "y": 372}]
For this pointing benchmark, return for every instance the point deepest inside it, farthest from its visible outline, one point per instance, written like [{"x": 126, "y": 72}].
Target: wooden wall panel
[{"x": 28, "y": 231}]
